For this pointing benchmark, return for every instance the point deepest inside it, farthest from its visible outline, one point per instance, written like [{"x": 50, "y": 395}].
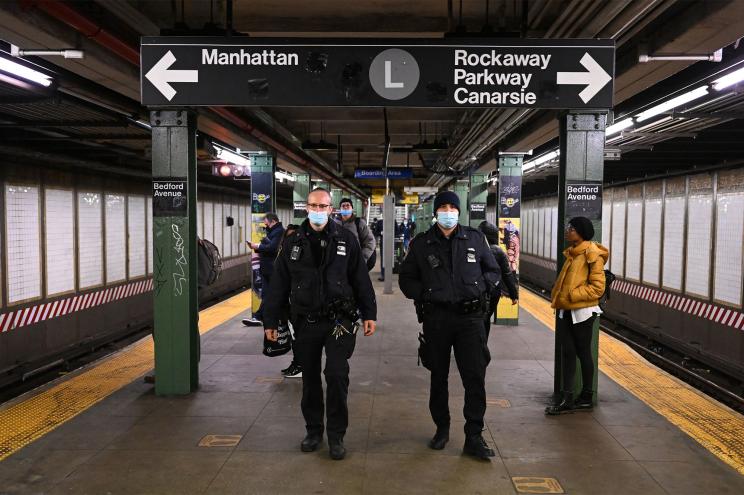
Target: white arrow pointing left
[
  {"x": 596, "y": 79},
  {"x": 161, "y": 77}
]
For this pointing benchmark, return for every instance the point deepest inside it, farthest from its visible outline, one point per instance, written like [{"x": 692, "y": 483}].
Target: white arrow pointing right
[
  {"x": 160, "y": 76},
  {"x": 596, "y": 79}
]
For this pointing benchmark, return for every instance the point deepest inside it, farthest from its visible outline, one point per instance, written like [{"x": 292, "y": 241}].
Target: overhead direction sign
[
  {"x": 379, "y": 173},
  {"x": 241, "y": 71}
]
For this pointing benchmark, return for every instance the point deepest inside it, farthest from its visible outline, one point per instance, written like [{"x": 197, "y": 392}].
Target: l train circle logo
[{"x": 394, "y": 74}]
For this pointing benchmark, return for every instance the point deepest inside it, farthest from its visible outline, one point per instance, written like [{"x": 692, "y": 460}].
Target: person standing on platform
[
  {"x": 575, "y": 296},
  {"x": 267, "y": 250},
  {"x": 382, "y": 251},
  {"x": 322, "y": 273},
  {"x": 358, "y": 228},
  {"x": 448, "y": 272},
  {"x": 508, "y": 279}
]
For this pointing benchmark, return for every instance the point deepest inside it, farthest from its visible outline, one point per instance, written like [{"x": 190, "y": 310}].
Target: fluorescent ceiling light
[
  {"x": 279, "y": 174},
  {"x": 618, "y": 126},
  {"x": 673, "y": 103},
  {"x": 540, "y": 160},
  {"x": 654, "y": 123},
  {"x": 231, "y": 157},
  {"x": 729, "y": 80},
  {"x": 25, "y": 72}
]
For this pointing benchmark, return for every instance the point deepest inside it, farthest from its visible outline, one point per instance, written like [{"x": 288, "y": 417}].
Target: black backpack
[
  {"x": 209, "y": 262},
  {"x": 609, "y": 279},
  {"x": 372, "y": 257}
]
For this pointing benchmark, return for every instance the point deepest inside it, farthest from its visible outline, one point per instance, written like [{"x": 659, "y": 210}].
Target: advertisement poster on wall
[
  {"x": 510, "y": 192},
  {"x": 262, "y": 202}
]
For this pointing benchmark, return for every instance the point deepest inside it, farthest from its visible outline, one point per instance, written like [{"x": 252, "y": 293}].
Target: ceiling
[{"x": 106, "y": 82}]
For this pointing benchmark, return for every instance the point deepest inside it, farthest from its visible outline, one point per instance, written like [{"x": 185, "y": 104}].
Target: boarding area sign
[{"x": 450, "y": 73}]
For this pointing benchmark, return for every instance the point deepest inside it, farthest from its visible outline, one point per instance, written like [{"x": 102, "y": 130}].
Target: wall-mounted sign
[
  {"x": 169, "y": 198},
  {"x": 584, "y": 199},
  {"x": 379, "y": 173},
  {"x": 378, "y": 196},
  {"x": 477, "y": 211},
  {"x": 527, "y": 73},
  {"x": 300, "y": 210},
  {"x": 510, "y": 192},
  {"x": 410, "y": 199}
]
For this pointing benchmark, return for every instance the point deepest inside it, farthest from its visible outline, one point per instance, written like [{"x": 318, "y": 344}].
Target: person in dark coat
[
  {"x": 267, "y": 250},
  {"x": 508, "y": 278}
]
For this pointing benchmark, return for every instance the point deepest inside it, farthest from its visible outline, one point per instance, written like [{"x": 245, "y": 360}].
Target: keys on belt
[{"x": 339, "y": 330}]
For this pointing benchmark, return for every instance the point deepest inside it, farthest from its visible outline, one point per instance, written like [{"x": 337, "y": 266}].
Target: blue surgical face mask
[
  {"x": 317, "y": 218},
  {"x": 346, "y": 213},
  {"x": 448, "y": 219}
]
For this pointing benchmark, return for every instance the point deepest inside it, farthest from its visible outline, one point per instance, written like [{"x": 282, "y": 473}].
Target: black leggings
[{"x": 577, "y": 342}]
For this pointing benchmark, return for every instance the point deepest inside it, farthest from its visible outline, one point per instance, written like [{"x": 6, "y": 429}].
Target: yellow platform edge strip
[
  {"x": 714, "y": 426},
  {"x": 23, "y": 422}
]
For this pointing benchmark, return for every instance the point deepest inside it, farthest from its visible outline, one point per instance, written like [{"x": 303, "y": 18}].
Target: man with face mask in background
[
  {"x": 448, "y": 272},
  {"x": 321, "y": 272},
  {"x": 359, "y": 229}
]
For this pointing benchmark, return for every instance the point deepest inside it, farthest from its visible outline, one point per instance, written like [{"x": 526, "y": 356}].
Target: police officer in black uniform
[
  {"x": 449, "y": 272},
  {"x": 321, "y": 272}
]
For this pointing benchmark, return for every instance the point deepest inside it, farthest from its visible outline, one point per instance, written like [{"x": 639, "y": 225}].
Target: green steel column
[
  {"x": 510, "y": 227},
  {"x": 323, "y": 185},
  {"x": 461, "y": 189},
  {"x": 175, "y": 327},
  {"x": 263, "y": 200},
  {"x": 425, "y": 222},
  {"x": 582, "y": 138},
  {"x": 358, "y": 206},
  {"x": 336, "y": 195},
  {"x": 299, "y": 197},
  {"x": 478, "y": 198}
]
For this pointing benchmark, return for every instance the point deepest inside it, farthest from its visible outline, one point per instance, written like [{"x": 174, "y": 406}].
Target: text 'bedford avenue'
[{"x": 496, "y": 77}]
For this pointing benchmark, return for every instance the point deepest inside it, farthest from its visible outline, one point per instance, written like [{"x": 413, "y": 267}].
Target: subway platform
[{"x": 102, "y": 429}]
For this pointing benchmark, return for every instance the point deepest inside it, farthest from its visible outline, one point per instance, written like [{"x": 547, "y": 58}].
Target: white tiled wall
[
  {"x": 116, "y": 247},
  {"x": 23, "y": 250},
  {"x": 136, "y": 226},
  {"x": 90, "y": 239},
  {"x": 729, "y": 235},
  {"x": 59, "y": 238}
]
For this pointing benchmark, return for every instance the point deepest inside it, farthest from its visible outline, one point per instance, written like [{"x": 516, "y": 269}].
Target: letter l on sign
[{"x": 389, "y": 77}]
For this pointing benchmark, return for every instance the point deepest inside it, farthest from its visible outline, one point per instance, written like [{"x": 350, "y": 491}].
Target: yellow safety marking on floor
[
  {"x": 220, "y": 440},
  {"x": 22, "y": 423},
  {"x": 504, "y": 403},
  {"x": 536, "y": 484},
  {"x": 713, "y": 425}
]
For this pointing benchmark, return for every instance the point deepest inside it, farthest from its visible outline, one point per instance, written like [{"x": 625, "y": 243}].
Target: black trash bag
[
  {"x": 283, "y": 342},
  {"x": 209, "y": 262}
]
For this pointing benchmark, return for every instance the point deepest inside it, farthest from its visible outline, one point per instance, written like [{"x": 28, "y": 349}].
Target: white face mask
[{"x": 448, "y": 219}]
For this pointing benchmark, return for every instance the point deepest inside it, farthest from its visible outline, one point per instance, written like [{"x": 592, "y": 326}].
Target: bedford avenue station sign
[{"x": 242, "y": 71}]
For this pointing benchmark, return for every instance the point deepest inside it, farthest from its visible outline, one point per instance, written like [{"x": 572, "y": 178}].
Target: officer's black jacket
[
  {"x": 462, "y": 281},
  {"x": 310, "y": 288}
]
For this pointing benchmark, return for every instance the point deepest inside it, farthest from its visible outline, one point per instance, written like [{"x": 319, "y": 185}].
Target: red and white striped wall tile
[
  {"x": 718, "y": 314},
  {"x": 47, "y": 311}
]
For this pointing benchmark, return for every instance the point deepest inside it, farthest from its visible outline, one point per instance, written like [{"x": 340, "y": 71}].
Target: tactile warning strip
[
  {"x": 713, "y": 425},
  {"x": 26, "y": 421}
]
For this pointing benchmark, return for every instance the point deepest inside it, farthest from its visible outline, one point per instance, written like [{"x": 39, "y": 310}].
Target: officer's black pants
[
  {"x": 576, "y": 342},
  {"x": 310, "y": 339},
  {"x": 443, "y": 331}
]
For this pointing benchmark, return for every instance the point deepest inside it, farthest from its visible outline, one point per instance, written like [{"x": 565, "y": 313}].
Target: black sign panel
[
  {"x": 169, "y": 197},
  {"x": 300, "y": 209},
  {"x": 510, "y": 192},
  {"x": 189, "y": 71},
  {"x": 477, "y": 211},
  {"x": 584, "y": 199}
]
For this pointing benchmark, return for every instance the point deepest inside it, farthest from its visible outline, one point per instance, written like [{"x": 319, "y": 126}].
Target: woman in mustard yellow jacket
[{"x": 575, "y": 297}]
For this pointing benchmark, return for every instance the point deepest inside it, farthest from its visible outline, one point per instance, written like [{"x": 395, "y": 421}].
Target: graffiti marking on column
[
  {"x": 160, "y": 279},
  {"x": 179, "y": 276}
]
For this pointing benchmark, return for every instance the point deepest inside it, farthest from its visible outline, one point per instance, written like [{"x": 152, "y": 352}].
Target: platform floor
[{"x": 135, "y": 442}]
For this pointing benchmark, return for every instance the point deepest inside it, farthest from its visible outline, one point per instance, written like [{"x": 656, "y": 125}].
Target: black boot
[
  {"x": 584, "y": 401},
  {"x": 476, "y": 446},
  {"x": 311, "y": 442},
  {"x": 336, "y": 449},
  {"x": 440, "y": 439},
  {"x": 566, "y": 406}
]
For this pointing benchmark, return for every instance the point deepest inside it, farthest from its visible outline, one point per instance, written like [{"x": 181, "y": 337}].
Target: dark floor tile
[
  {"x": 557, "y": 440},
  {"x": 289, "y": 473},
  {"x": 145, "y": 472},
  {"x": 589, "y": 477},
  {"x": 285, "y": 434},
  {"x": 411, "y": 474},
  {"x": 652, "y": 443},
  {"x": 694, "y": 478},
  {"x": 213, "y": 403},
  {"x": 411, "y": 436},
  {"x": 178, "y": 433},
  {"x": 40, "y": 472}
]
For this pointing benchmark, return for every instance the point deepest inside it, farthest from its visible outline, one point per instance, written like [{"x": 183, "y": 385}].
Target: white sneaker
[{"x": 252, "y": 322}]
